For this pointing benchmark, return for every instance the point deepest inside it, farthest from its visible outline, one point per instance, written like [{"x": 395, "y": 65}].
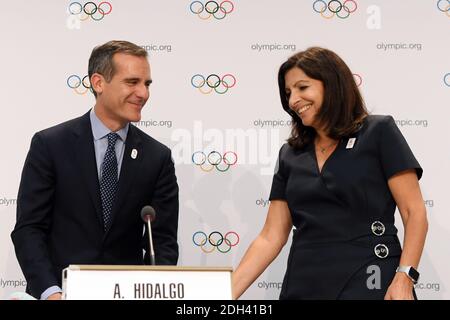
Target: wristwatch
[{"x": 412, "y": 273}]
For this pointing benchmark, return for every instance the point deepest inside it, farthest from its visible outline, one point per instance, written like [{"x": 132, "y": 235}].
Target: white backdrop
[{"x": 397, "y": 50}]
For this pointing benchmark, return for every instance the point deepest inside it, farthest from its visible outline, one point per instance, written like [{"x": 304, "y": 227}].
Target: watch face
[{"x": 413, "y": 274}]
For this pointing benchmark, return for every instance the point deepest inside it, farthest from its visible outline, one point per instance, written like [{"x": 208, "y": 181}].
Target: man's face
[{"x": 123, "y": 97}]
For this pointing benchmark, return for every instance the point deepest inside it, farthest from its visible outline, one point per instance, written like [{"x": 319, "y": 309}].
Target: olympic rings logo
[
  {"x": 329, "y": 9},
  {"x": 214, "y": 160},
  {"x": 358, "y": 79},
  {"x": 79, "y": 85},
  {"x": 215, "y": 240},
  {"x": 211, "y": 9},
  {"x": 447, "y": 79},
  {"x": 444, "y": 6},
  {"x": 90, "y": 10},
  {"x": 213, "y": 82}
]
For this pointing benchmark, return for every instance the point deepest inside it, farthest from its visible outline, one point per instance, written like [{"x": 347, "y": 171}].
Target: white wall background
[{"x": 400, "y": 50}]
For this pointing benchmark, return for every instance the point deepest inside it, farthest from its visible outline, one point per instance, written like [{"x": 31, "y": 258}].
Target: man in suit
[{"x": 85, "y": 181}]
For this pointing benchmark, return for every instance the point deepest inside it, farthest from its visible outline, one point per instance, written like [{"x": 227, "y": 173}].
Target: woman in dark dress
[{"x": 338, "y": 181}]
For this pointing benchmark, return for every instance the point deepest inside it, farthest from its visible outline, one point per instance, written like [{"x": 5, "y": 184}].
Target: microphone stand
[{"x": 150, "y": 242}]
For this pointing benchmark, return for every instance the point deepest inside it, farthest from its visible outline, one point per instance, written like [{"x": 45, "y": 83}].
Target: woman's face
[{"x": 304, "y": 94}]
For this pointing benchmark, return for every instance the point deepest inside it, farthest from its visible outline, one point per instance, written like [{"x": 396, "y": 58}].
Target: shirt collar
[{"x": 99, "y": 130}]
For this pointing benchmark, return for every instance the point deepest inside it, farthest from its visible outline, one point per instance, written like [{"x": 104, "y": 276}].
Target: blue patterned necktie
[{"x": 109, "y": 179}]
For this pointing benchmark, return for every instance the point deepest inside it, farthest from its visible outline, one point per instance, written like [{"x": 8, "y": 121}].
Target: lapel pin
[
  {"x": 350, "y": 143},
  {"x": 134, "y": 153}
]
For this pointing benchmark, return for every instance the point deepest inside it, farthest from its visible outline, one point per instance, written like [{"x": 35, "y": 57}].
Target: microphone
[{"x": 148, "y": 214}]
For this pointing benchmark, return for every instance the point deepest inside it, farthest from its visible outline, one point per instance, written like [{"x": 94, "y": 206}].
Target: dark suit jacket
[{"x": 59, "y": 216}]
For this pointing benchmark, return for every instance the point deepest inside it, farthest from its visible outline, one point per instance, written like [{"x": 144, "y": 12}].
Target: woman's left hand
[{"x": 401, "y": 288}]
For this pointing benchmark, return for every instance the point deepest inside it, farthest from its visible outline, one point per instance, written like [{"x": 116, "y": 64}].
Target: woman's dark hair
[{"x": 343, "y": 109}]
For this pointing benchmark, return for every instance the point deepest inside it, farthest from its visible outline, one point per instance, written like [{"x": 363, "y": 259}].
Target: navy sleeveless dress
[{"x": 345, "y": 243}]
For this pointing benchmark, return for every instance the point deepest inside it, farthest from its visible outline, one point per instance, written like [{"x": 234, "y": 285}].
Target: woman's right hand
[{"x": 264, "y": 249}]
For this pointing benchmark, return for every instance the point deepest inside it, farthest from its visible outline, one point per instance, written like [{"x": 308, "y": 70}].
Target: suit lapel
[
  {"x": 85, "y": 159},
  {"x": 132, "y": 158}
]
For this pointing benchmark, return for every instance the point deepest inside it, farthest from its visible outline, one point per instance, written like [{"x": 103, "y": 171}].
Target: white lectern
[{"x": 116, "y": 282}]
